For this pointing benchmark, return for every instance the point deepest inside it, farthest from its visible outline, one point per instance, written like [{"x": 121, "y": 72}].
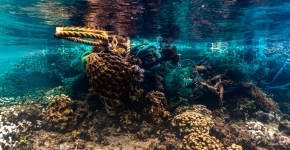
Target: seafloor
[{"x": 66, "y": 124}]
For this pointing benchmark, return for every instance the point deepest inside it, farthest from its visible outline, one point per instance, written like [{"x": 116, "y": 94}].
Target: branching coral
[
  {"x": 196, "y": 141},
  {"x": 194, "y": 123},
  {"x": 191, "y": 121}
]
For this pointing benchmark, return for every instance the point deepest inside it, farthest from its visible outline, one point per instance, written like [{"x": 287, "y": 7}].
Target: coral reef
[
  {"x": 198, "y": 141},
  {"x": 126, "y": 81},
  {"x": 156, "y": 109},
  {"x": 262, "y": 101},
  {"x": 244, "y": 108},
  {"x": 8, "y": 132},
  {"x": 257, "y": 131},
  {"x": 146, "y": 131},
  {"x": 284, "y": 142},
  {"x": 200, "y": 129},
  {"x": 17, "y": 123},
  {"x": 41, "y": 70},
  {"x": 234, "y": 147},
  {"x": 191, "y": 121},
  {"x": 130, "y": 121},
  {"x": 166, "y": 141},
  {"x": 63, "y": 114},
  {"x": 267, "y": 117}
]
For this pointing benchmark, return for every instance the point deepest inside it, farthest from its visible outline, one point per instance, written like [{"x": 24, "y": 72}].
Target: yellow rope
[
  {"x": 81, "y": 29},
  {"x": 99, "y": 43},
  {"x": 74, "y": 33},
  {"x": 81, "y": 35}
]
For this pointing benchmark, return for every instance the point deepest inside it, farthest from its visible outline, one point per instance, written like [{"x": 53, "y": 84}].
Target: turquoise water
[
  {"x": 28, "y": 27},
  {"x": 252, "y": 22},
  {"x": 232, "y": 56}
]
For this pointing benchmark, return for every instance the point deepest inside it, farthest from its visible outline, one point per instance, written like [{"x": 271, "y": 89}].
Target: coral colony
[{"x": 114, "y": 92}]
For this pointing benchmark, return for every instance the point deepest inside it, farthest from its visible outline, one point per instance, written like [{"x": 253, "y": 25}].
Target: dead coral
[
  {"x": 267, "y": 117},
  {"x": 157, "y": 109},
  {"x": 62, "y": 114},
  {"x": 167, "y": 141},
  {"x": 130, "y": 121},
  {"x": 233, "y": 132},
  {"x": 146, "y": 130},
  {"x": 284, "y": 142},
  {"x": 262, "y": 101},
  {"x": 30, "y": 113},
  {"x": 244, "y": 108},
  {"x": 79, "y": 144}
]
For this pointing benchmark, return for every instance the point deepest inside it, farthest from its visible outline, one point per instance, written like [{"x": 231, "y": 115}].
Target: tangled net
[{"x": 109, "y": 68}]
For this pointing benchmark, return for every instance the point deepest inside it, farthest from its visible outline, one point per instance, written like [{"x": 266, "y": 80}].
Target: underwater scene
[{"x": 145, "y": 75}]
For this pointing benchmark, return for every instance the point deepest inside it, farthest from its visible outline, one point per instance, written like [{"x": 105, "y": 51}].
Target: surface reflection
[{"x": 32, "y": 22}]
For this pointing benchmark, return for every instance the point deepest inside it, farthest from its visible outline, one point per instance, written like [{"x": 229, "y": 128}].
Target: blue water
[{"x": 224, "y": 46}]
